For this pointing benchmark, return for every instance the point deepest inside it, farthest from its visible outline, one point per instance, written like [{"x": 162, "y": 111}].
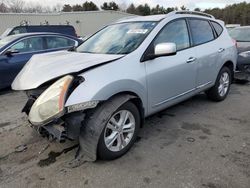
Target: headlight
[{"x": 51, "y": 102}]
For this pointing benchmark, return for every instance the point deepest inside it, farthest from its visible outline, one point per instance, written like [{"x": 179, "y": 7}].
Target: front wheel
[
  {"x": 222, "y": 85},
  {"x": 119, "y": 133}
]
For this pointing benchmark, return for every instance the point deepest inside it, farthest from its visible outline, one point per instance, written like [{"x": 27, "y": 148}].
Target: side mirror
[
  {"x": 76, "y": 44},
  {"x": 165, "y": 49},
  {"x": 10, "y": 52}
]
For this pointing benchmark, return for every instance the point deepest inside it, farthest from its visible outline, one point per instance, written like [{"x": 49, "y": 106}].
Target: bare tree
[
  {"x": 3, "y": 7},
  {"x": 33, "y": 8},
  {"x": 16, "y": 6},
  {"x": 57, "y": 8}
]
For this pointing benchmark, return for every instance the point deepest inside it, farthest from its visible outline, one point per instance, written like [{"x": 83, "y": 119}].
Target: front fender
[{"x": 88, "y": 91}]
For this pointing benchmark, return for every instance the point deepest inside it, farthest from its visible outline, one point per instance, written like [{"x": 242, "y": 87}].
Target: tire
[
  {"x": 221, "y": 88},
  {"x": 106, "y": 153}
]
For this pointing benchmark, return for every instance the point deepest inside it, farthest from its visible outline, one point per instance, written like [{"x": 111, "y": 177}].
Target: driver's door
[
  {"x": 22, "y": 52},
  {"x": 171, "y": 78}
]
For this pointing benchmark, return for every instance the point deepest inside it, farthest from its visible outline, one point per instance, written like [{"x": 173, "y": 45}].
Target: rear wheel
[
  {"x": 119, "y": 133},
  {"x": 222, "y": 85}
]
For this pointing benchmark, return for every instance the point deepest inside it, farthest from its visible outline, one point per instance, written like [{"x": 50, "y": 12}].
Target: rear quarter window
[
  {"x": 18, "y": 30},
  {"x": 217, "y": 28},
  {"x": 201, "y": 31}
]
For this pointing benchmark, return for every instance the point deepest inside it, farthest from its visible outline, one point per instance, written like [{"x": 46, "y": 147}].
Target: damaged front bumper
[
  {"x": 65, "y": 127},
  {"x": 60, "y": 128}
]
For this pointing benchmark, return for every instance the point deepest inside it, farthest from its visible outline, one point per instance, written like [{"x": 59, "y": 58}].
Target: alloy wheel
[
  {"x": 119, "y": 130},
  {"x": 224, "y": 84}
]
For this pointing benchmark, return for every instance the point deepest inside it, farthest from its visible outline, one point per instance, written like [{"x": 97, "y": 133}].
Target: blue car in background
[
  {"x": 16, "y": 50},
  {"x": 62, "y": 29}
]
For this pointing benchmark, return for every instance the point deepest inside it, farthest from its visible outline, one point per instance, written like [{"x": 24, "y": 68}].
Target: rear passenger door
[
  {"x": 206, "y": 47},
  {"x": 54, "y": 43}
]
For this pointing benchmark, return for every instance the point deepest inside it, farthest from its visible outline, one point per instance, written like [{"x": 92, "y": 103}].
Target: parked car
[
  {"x": 129, "y": 70},
  {"x": 242, "y": 37},
  {"x": 232, "y": 26},
  {"x": 62, "y": 29},
  {"x": 16, "y": 50}
]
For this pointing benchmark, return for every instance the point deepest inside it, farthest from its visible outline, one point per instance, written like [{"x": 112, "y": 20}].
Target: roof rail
[{"x": 193, "y": 13}]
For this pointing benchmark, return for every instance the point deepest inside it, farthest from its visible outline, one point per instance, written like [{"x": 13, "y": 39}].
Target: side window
[
  {"x": 59, "y": 42},
  {"x": 201, "y": 31},
  {"x": 18, "y": 30},
  {"x": 29, "y": 45},
  {"x": 175, "y": 32},
  {"x": 217, "y": 28}
]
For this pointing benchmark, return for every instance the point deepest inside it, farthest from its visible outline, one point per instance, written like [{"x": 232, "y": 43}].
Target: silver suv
[{"x": 101, "y": 91}]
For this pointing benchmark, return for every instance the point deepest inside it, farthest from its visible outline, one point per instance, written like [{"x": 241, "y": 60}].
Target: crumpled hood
[{"x": 44, "y": 67}]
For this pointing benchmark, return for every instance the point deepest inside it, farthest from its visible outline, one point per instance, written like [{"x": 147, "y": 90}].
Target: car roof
[
  {"x": 44, "y": 26},
  {"x": 23, "y": 35},
  {"x": 160, "y": 17},
  {"x": 39, "y": 33}
]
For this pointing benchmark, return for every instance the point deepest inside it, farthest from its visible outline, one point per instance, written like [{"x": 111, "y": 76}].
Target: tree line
[{"x": 236, "y": 13}]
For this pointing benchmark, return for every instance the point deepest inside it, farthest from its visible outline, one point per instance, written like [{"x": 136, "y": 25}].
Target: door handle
[
  {"x": 221, "y": 50},
  {"x": 191, "y": 59}
]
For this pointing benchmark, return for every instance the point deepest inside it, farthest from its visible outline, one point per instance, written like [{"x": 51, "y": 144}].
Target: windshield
[
  {"x": 7, "y": 40},
  {"x": 6, "y": 32},
  {"x": 120, "y": 38},
  {"x": 240, "y": 34}
]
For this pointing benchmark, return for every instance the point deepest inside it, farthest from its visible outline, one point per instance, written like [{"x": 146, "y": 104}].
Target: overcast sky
[{"x": 191, "y": 4}]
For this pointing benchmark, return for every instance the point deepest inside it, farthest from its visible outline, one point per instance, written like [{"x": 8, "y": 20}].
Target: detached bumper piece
[
  {"x": 54, "y": 131},
  {"x": 243, "y": 73},
  {"x": 67, "y": 127}
]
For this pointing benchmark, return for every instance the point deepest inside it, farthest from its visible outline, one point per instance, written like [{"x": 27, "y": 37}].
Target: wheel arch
[
  {"x": 230, "y": 65},
  {"x": 136, "y": 100}
]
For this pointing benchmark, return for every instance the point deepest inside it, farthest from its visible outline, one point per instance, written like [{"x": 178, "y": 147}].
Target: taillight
[{"x": 235, "y": 43}]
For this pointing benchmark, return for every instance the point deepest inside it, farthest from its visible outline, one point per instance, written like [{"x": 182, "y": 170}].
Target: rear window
[
  {"x": 18, "y": 30},
  {"x": 217, "y": 28},
  {"x": 240, "y": 34},
  {"x": 201, "y": 31}
]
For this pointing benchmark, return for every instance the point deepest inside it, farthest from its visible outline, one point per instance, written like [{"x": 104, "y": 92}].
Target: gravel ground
[{"x": 196, "y": 144}]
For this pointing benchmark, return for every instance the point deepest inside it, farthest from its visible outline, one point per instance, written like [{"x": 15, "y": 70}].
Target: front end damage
[
  {"x": 49, "y": 87},
  {"x": 66, "y": 124},
  {"x": 71, "y": 122},
  {"x": 51, "y": 123}
]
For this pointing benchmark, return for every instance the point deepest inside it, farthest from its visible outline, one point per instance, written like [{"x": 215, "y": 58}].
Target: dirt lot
[{"x": 196, "y": 144}]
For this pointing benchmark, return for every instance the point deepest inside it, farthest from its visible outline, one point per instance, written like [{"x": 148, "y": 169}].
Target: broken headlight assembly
[{"x": 50, "y": 103}]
